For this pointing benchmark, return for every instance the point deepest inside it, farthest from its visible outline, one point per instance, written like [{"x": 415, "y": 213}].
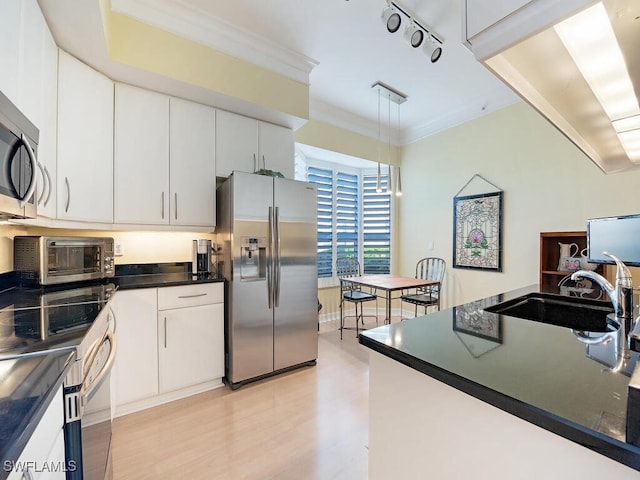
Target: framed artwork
[
  {"x": 471, "y": 318},
  {"x": 477, "y": 231}
]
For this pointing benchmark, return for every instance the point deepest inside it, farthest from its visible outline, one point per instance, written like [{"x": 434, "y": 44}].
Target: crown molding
[{"x": 202, "y": 27}]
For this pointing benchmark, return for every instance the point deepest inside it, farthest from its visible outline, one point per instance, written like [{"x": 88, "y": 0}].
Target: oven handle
[{"x": 87, "y": 390}]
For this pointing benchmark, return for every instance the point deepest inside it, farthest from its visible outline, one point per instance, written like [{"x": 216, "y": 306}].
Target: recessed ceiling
[{"x": 348, "y": 49}]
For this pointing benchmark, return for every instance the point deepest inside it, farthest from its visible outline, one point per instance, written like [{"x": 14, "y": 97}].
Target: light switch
[
  {"x": 430, "y": 245},
  {"x": 118, "y": 249}
]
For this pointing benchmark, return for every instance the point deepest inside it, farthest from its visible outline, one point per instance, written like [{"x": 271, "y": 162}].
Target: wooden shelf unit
[{"x": 550, "y": 277}]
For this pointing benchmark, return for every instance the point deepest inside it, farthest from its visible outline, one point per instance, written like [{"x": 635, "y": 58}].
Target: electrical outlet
[{"x": 118, "y": 249}]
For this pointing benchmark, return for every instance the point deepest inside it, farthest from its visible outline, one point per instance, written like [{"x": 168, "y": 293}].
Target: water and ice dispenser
[{"x": 253, "y": 258}]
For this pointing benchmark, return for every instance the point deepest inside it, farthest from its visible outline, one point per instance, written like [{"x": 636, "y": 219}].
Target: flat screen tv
[{"x": 619, "y": 236}]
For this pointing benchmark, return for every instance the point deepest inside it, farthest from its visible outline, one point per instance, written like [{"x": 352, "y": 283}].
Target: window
[
  {"x": 376, "y": 216},
  {"x": 353, "y": 219}
]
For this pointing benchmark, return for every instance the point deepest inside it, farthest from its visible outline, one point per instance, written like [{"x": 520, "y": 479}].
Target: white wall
[{"x": 549, "y": 185}]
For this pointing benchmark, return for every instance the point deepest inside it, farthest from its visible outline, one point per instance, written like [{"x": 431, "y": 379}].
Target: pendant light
[
  {"x": 398, "y": 178},
  {"x": 389, "y": 180},
  {"x": 379, "y": 180},
  {"x": 397, "y": 98}
]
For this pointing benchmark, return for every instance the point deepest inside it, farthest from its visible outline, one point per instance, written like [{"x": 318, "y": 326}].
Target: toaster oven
[{"x": 40, "y": 260}]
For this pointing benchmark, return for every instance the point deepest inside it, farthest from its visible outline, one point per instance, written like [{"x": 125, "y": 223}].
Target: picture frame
[
  {"x": 472, "y": 319},
  {"x": 477, "y": 231}
]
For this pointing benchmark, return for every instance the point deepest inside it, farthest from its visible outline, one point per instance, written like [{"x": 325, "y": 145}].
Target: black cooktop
[{"x": 37, "y": 319}]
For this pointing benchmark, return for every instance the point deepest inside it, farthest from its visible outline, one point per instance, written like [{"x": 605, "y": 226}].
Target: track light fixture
[
  {"x": 432, "y": 49},
  {"x": 391, "y": 18},
  {"x": 416, "y": 33}
]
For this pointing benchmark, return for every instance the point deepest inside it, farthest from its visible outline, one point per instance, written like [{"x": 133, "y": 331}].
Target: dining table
[{"x": 389, "y": 283}]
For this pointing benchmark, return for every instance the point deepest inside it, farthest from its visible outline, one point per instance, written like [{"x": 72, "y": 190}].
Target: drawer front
[{"x": 190, "y": 295}]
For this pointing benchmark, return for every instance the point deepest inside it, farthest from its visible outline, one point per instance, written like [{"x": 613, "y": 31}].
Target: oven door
[
  {"x": 70, "y": 260},
  {"x": 88, "y": 433},
  {"x": 18, "y": 170},
  {"x": 95, "y": 398}
]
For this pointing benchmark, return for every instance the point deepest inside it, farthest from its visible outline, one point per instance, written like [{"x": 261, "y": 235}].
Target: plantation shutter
[
  {"x": 323, "y": 178},
  {"x": 347, "y": 215},
  {"x": 376, "y": 211}
]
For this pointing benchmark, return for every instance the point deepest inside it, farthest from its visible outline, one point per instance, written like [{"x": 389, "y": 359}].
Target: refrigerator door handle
[
  {"x": 277, "y": 266},
  {"x": 270, "y": 261}
]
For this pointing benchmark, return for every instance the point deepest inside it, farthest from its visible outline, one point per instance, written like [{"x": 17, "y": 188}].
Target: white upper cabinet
[
  {"x": 192, "y": 176},
  {"x": 85, "y": 143},
  {"x": 247, "y": 145},
  {"x": 236, "y": 143},
  {"x": 10, "y": 33},
  {"x": 141, "y": 172},
  {"x": 31, "y": 79},
  {"x": 47, "y": 146},
  {"x": 276, "y": 148},
  {"x": 164, "y": 160}
]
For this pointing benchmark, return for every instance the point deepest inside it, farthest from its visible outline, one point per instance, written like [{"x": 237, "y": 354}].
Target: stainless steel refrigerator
[{"x": 266, "y": 233}]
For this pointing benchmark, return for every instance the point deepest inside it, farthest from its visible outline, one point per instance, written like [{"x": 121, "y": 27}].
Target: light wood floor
[{"x": 310, "y": 423}]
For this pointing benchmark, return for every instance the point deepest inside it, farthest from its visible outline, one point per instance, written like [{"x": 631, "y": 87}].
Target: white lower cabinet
[
  {"x": 170, "y": 344},
  {"x": 189, "y": 346},
  {"x": 43, "y": 456},
  {"x": 136, "y": 366}
]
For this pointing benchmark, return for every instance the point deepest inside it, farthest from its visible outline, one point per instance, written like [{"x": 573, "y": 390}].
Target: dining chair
[
  {"x": 348, "y": 267},
  {"x": 429, "y": 268}
]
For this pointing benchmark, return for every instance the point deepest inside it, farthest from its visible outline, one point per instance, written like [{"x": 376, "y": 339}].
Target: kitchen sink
[{"x": 570, "y": 312}]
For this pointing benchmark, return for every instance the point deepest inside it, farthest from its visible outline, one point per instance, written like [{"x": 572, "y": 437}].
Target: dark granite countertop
[
  {"x": 158, "y": 275},
  {"x": 538, "y": 372},
  {"x": 27, "y": 386}
]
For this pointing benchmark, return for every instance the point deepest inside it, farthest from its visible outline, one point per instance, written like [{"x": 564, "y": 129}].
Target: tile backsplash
[{"x": 138, "y": 246}]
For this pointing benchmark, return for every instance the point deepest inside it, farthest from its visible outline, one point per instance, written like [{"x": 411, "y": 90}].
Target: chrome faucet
[{"x": 621, "y": 295}]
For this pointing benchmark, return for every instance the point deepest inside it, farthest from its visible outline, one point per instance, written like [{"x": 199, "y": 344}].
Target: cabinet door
[
  {"x": 48, "y": 135},
  {"x": 190, "y": 346},
  {"x": 192, "y": 164},
  {"x": 31, "y": 63},
  {"x": 141, "y": 172},
  {"x": 10, "y": 27},
  {"x": 85, "y": 143},
  {"x": 135, "y": 374},
  {"x": 44, "y": 444},
  {"x": 276, "y": 148},
  {"x": 236, "y": 143}
]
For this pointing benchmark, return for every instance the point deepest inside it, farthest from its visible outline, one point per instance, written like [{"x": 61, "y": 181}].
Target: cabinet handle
[
  {"x": 193, "y": 296},
  {"x": 176, "y": 204},
  {"x": 46, "y": 200},
  {"x": 163, "y": 205},
  {"x": 264, "y": 164},
  {"x": 165, "y": 332},
  {"x": 66, "y": 182},
  {"x": 255, "y": 163}
]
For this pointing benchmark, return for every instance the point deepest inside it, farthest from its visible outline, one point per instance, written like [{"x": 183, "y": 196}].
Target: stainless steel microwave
[
  {"x": 53, "y": 260},
  {"x": 18, "y": 162}
]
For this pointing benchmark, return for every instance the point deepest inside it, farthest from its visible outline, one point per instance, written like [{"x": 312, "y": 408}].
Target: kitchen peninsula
[{"x": 467, "y": 393}]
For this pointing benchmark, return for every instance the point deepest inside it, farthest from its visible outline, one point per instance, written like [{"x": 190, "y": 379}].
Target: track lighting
[
  {"x": 416, "y": 33},
  {"x": 432, "y": 49},
  {"x": 391, "y": 18}
]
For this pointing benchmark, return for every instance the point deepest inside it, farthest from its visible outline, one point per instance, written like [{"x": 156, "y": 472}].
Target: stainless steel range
[{"x": 33, "y": 322}]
